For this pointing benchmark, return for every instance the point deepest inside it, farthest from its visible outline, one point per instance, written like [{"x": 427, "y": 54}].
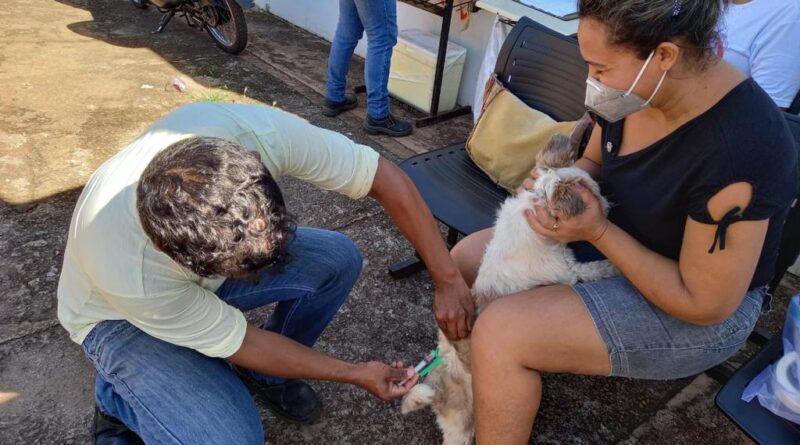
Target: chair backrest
[
  {"x": 790, "y": 241},
  {"x": 544, "y": 69}
]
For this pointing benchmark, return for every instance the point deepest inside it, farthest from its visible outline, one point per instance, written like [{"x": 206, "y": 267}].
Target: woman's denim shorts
[{"x": 644, "y": 342}]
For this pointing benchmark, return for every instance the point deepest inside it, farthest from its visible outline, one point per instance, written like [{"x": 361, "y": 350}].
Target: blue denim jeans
[
  {"x": 644, "y": 342},
  {"x": 169, "y": 394},
  {"x": 379, "y": 19}
]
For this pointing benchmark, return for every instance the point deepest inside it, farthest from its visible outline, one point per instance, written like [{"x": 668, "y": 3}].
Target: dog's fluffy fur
[{"x": 516, "y": 259}]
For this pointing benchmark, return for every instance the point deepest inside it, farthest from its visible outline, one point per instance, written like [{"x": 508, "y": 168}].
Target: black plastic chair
[
  {"x": 545, "y": 70},
  {"x": 761, "y": 425}
]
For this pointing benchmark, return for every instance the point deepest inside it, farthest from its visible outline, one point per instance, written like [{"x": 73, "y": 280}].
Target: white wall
[{"x": 321, "y": 20}]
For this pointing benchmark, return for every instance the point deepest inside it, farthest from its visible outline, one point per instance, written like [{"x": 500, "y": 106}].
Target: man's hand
[
  {"x": 452, "y": 303},
  {"x": 383, "y": 381},
  {"x": 454, "y": 309}
]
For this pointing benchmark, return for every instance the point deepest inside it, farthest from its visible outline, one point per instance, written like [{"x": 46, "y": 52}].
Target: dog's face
[
  {"x": 556, "y": 191},
  {"x": 557, "y": 178}
]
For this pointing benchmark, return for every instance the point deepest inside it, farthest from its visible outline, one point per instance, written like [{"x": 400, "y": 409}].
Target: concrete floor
[{"x": 75, "y": 77}]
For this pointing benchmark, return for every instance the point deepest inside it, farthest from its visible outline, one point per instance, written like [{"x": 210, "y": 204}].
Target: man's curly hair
[{"x": 214, "y": 208}]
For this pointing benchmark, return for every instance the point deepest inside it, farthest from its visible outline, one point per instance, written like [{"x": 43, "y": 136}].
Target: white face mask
[{"x": 612, "y": 104}]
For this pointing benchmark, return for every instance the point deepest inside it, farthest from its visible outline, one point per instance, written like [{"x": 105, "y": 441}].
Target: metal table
[
  {"x": 510, "y": 12},
  {"x": 443, "y": 9}
]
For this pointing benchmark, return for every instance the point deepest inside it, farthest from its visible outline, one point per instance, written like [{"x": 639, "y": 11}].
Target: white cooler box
[{"x": 414, "y": 67}]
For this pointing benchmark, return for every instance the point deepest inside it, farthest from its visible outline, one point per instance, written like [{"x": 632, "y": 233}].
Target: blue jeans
[
  {"x": 169, "y": 394},
  {"x": 379, "y": 19},
  {"x": 644, "y": 342}
]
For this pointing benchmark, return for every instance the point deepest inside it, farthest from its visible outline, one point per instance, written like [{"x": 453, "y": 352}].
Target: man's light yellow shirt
[{"x": 111, "y": 270}]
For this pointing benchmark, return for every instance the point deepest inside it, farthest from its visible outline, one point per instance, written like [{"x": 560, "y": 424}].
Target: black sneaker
[
  {"x": 389, "y": 126},
  {"x": 294, "y": 401},
  {"x": 107, "y": 430},
  {"x": 333, "y": 108}
]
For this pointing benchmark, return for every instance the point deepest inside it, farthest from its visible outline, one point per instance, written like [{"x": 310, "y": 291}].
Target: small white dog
[{"x": 516, "y": 259}]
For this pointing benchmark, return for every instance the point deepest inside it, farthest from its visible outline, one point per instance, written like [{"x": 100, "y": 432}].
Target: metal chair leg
[
  {"x": 412, "y": 265},
  {"x": 406, "y": 267},
  {"x": 452, "y": 237},
  {"x": 721, "y": 373},
  {"x": 760, "y": 336}
]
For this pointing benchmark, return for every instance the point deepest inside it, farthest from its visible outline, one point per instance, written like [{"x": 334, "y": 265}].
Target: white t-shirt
[
  {"x": 112, "y": 271},
  {"x": 762, "y": 39}
]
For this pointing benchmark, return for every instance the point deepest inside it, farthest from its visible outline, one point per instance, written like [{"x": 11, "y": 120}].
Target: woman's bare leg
[
  {"x": 468, "y": 253},
  {"x": 547, "y": 329}
]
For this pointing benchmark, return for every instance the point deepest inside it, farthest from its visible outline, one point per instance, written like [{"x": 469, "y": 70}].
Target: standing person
[
  {"x": 379, "y": 19},
  {"x": 183, "y": 230},
  {"x": 702, "y": 170},
  {"x": 760, "y": 37}
]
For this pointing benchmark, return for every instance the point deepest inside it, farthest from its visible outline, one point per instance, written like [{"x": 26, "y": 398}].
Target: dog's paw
[{"x": 419, "y": 397}]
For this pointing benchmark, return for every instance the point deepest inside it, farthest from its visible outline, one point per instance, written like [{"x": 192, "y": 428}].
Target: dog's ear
[
  {"x": 559, "y": 152},
  {"x": 566, "y": 199}
]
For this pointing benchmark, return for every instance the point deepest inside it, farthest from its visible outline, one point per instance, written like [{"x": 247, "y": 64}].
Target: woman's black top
[{"x": 742, "y": 138}]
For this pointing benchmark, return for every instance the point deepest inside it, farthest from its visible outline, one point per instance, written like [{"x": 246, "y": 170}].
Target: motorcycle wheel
[
  {"x": 141, "y": 4},
  {"x": 230, "y": 31}
]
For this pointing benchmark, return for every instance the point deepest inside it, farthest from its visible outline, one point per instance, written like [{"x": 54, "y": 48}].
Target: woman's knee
[
  {"x": 468, "y": 253},
  {"x": 497, "y": 336},
  {"x": 465, "y": 263},
  {"x": 490, "y": 332}
]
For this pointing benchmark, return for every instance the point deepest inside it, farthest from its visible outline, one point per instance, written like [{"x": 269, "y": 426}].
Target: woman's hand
[
  {"x": 530, "y": 181},
  {"x": 588, "y": 226},
  {"x": 384, "y": 381}
]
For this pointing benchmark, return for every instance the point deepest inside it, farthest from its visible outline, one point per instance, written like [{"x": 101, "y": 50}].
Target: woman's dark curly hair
[
  {"x": 643, "y": 24},
  {"x": 214, "y": 208}
]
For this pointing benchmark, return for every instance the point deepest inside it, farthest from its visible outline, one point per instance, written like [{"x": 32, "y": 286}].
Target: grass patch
[
  {"x": 207, "y": 71},
  {"x": 213, "y": 96}
]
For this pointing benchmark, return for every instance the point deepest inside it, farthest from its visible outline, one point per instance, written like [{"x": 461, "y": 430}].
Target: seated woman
[{"x": 701, "y": 171}]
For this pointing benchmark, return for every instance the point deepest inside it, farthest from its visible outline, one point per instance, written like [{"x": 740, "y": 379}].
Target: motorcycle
[{"x": 222, "y": 19}]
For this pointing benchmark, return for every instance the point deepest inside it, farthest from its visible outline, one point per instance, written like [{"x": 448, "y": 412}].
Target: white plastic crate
[{"x": 413, "y": 69}]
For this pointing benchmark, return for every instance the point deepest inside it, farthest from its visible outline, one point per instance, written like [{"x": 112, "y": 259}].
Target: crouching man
[{"x": 183, "y": 230}]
